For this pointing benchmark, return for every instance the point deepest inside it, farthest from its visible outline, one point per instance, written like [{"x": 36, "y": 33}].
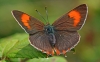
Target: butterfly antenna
[
  {"x": 47, "y": 15},
  {"x": 40, "y": 15}
]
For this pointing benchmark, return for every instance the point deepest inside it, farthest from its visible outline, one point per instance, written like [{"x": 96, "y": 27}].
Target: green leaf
[
  {"x": 17, "y": 46},
  {"x": 51, "y": 59}
]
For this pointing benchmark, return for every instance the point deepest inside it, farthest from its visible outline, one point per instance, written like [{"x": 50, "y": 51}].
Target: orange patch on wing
[
  {"x": 25, "y": 19},
  {"x": 50, "y": 53},
  {"x": 57, "y": 51},
  {"x": 76, "y": 15},
  {"x": 64, "y": 51}
]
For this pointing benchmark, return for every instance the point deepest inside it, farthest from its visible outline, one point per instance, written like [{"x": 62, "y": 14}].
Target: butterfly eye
[{"x": 48, "y": 30}]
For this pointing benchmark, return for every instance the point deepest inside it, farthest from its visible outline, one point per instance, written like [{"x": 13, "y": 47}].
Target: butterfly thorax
[{"x": 49, "y": 29}]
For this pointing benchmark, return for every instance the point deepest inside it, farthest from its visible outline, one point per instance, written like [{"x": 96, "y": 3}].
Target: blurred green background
[{"x": 88, "y": 50}]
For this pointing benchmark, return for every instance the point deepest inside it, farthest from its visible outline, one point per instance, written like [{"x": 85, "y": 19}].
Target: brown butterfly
[{"x": 59, "y": 37}]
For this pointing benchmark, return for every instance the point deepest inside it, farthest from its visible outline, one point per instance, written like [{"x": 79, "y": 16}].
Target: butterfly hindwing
[
  {"x": 30, "y": 24},
  {"x": 65, "y": 41},
  {"x": 41, "y": 42},
  {"x": 72, "y": 20}
]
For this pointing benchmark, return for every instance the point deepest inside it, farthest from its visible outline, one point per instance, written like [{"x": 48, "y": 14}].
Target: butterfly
[{"x": 60, "y": 37}]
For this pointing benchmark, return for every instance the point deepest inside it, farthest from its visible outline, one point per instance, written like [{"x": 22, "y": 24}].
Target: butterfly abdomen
[{"x": 50, "y": 33}]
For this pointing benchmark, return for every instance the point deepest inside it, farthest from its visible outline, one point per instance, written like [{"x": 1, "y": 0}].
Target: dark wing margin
[
  {"x": 29, "y": 23},
  {"x": 40, "y": 41},
  {"x": 73, "y": 20},
  {"x": 65, "y": 41}
]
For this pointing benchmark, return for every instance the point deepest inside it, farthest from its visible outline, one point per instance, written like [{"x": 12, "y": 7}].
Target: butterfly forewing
[
  {"x": 30, "y": 24},
  {"x": 72, "y": 20}
]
